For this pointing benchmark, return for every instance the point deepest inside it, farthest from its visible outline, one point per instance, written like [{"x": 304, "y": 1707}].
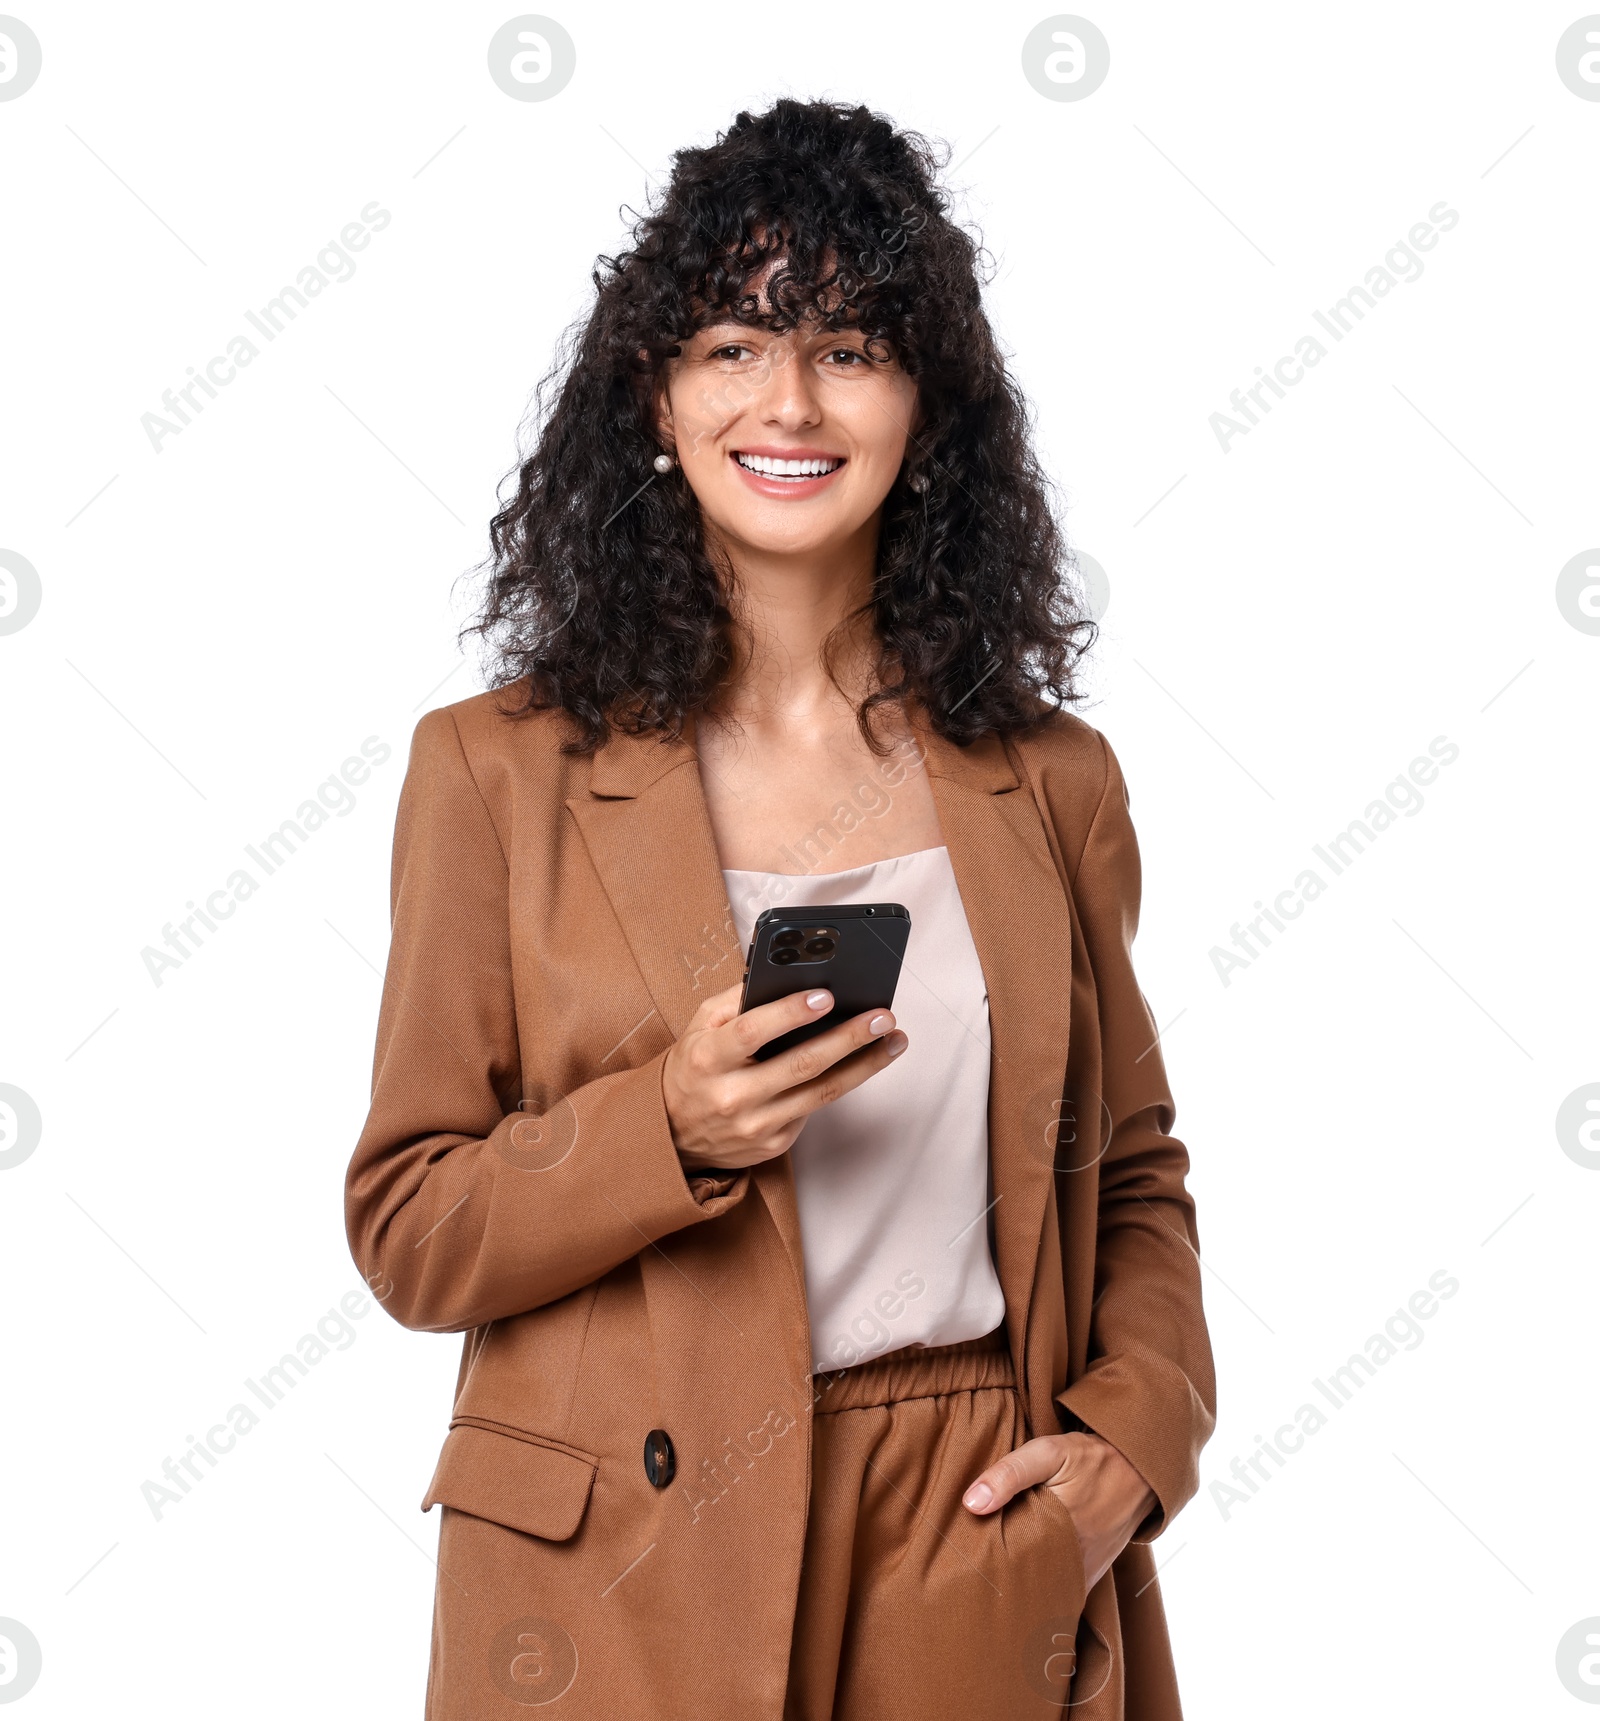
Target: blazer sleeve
[
  {"x": 1149, "y": 1386},
  {"x": 461, "y": 1209}
]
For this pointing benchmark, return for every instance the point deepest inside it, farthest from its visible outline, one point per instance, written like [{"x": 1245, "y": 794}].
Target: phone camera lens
[
  {"x": 786, "y": 940},
  {"x": 782, "y": 957},
  {"x": 819, "y": 947}
]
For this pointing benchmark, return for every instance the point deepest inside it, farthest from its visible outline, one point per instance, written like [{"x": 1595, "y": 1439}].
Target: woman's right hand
[{"x": 729, "y": 1110}]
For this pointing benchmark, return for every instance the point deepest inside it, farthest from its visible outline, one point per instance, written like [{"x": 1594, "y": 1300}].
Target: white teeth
[{"x": 769, "y": 468}]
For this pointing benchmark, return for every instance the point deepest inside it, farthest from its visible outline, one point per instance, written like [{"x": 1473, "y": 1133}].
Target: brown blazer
[{"x": 557, "y": 921}]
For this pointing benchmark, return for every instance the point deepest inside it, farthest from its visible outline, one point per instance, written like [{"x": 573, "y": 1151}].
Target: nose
[{"x": 787, "y": 393}]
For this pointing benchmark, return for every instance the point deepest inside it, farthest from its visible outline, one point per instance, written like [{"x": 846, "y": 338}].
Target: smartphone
[{"x": 854, "y": 949}]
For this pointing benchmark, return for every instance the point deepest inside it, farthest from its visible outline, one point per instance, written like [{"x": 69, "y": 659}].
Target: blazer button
[{"x": 659, "y": 1462}]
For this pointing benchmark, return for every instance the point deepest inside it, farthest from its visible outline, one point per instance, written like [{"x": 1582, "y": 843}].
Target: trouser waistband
[{"x": 918, "y": 1371}]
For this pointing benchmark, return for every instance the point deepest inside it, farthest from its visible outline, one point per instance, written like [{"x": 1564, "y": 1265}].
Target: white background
[{"x": 1373, "y": 1099}]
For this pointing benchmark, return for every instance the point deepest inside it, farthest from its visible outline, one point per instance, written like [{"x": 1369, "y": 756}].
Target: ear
[{"x": 661, "y": 415}]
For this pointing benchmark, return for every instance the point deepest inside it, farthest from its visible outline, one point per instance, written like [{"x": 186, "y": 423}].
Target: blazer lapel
[
  {"x": 1017, "y": 911},
  {"x": 649, "y": 834}
]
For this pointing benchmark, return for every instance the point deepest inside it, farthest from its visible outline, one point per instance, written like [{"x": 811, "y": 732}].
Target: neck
[{"x": 787, "y": 605}]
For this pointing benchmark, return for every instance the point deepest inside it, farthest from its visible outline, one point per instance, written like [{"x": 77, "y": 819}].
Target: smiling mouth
[{"x": 788, "y": 471}]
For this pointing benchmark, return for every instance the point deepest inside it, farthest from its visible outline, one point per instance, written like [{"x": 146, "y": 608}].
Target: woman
[{"x": 854, "y": 1381}]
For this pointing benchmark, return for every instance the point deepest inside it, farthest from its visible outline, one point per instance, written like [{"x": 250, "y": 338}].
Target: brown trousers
[{"x": 911, "y": 1607}]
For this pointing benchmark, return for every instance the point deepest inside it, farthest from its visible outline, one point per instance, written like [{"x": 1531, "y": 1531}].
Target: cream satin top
[{"x": 892, "y": 1178}]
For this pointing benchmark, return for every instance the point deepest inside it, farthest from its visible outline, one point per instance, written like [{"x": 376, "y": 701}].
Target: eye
[
  {"x": 729, "y": 350},
  {"x": 853, "y": 354}
]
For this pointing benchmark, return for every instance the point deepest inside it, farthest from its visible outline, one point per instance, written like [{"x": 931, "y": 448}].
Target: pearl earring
[
  {"x": 918, "y": 482},
  {"x": 663, "y": 463}
]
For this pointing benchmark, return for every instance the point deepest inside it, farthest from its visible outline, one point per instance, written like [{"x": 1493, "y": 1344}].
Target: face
[{"x": 790, "y": 442}]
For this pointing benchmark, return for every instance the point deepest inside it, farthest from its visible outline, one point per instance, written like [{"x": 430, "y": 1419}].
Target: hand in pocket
[{"x": 1107, "y": 1498}]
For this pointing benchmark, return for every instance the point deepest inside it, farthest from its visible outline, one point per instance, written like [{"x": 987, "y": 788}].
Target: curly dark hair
[{"x": 600, "y": 592}]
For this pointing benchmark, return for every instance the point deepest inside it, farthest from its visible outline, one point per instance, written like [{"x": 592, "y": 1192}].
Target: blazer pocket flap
[{"x": 542, "y": 1490}]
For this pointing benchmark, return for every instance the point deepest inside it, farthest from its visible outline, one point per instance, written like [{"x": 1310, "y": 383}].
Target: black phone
[{"x": 854, "y": 949}]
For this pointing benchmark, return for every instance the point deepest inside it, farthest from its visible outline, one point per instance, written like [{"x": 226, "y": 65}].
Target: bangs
[
  {"x": 788, "y": 282},
  {"x": 783, "y": 280}
]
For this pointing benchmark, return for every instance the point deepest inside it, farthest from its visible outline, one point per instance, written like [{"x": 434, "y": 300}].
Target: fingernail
[
  {"x": 815, "y": 1000},
  {"x": 877, "y": 1024},
  {"x": 897, "y": 1043},
  {"x": 978, "y": 1496}
]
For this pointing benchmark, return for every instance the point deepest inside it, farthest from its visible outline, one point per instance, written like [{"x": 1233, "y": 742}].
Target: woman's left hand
[{"x": 1107, "y": 1497}]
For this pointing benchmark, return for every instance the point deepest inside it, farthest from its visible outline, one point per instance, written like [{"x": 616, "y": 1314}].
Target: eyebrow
[{"x": 827, "y": 331}]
